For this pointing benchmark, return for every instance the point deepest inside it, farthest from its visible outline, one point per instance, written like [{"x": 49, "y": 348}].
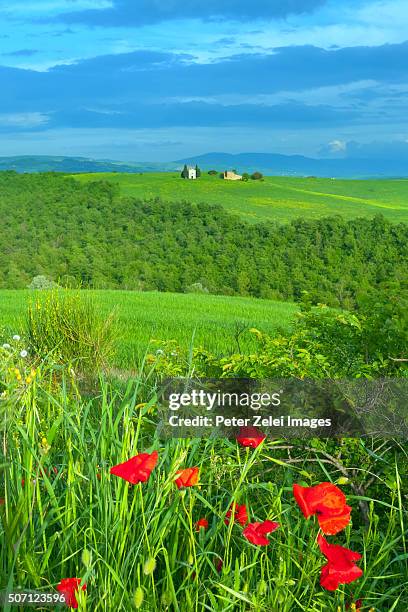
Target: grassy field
[
  {"x": 277, "y": 198},
  {"x": 213, "y": 321}
]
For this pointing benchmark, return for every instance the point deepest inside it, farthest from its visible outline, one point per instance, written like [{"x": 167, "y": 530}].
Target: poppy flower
[
  {"x": 48, "y": 472},
  {"x": 202, "y": 523},
  {"x": 357, "y": 605},
  {"x": 341, "y": 567},
  {"x": 69, "y": 587},
  {"x": 240, "y": 515},
  {"x": 187, "y": 477},
  {"x": 256, "y": 532},
  {"x": 330, "y": 525},
  {"x": 2, "y": 501},
  {"x": 219, "y": 565},
  {"x": 137, "y": 469},
  {"x": 250, "y": 436},
  {"x": 328, "y": 502}
]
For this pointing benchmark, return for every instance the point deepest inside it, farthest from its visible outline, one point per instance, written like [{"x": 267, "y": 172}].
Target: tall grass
[
  {"x": 70, "y": 517},
  {"x": 67, "y": 326}
]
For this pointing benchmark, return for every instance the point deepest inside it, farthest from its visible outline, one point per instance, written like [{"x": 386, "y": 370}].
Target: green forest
[{"x": 89, "y": 235}]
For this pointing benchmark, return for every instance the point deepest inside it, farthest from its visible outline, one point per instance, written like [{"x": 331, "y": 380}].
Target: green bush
[
  {"x": 67, "y": 325},
  {"x": 196, "y": 288},
  {"x": 41, "y": 282}
]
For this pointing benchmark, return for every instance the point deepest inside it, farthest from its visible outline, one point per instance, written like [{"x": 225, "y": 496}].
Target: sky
[{"x": 160, "y": 80}]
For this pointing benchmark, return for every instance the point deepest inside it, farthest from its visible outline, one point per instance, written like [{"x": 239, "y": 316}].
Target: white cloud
[
  {"x": 23, "y": 120},
  {"x": 338, "y": 146}
]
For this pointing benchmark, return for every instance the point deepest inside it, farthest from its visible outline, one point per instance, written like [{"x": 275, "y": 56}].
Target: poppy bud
[
  {"x": 149, "y": 566},
  {"x": 262, "y": 587},
  {"x": 86, "y": 557},
  {"x": 166, "y": 599},
  {"x": 138, "y": 597}
]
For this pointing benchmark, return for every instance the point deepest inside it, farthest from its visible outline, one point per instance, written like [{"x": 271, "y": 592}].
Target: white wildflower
[
  {"x": 23, "y": 354},
  {"x": 6, "y": 346},
  {"x": 16, "y": 337},
  {"x": 159, "y": 352}
]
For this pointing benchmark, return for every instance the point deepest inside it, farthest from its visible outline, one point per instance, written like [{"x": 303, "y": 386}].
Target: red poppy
[
  {"x": 255, "y": 532},
  {"x": 219, "y": 565},
  {"x": 250, "y": 436},
  {"x": 48, "y": 473},
  {"x": 328, "y": 502},
  {"x": 341, "y": 567},
  {"x": 201, "y": 524},
  {"x": 240, "y": 515},
  {"x": 2, "y": 501},
  {"x": 330, "y": 525},
  {"x": 358, "y": 605},
  {"x": 187, "y": 477},
  {"x": 137, "y": 469},
  {"x": 69, "y": 587}
]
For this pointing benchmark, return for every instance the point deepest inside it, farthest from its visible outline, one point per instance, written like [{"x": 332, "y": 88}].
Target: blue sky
[{"x": 164, "y": 79}]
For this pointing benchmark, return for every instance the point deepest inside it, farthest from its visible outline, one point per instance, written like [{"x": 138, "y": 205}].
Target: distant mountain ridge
[
  {"x": 299, "y": 165},
  {"x": 47, "y": 163},
  {"x": 267, "y": 163}
]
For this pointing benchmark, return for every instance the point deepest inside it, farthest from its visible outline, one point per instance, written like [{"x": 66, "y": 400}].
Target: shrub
[
  {"x": 41, "y": 282},
  {"x": 256, "y": 176},
  {"x": 212, "y": 172},
  {"x": 196, "y": 288},
  {"x": 245, "y": 176},
  {"x": 67, "y": 325}
]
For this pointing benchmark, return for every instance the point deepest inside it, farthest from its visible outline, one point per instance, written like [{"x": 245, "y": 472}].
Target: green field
[
  {"x": 208, "y": 321},
  {"x": 277, "y": 198}
]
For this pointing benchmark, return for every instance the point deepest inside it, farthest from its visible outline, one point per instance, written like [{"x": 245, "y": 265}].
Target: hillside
[
  {"x": 275, "y": 198},
  {"x": 206, "y": 320},
  {"x": 89, "y": 234}
]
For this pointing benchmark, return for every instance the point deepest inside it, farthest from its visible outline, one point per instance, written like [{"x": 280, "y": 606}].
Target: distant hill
[
  {"x": 267, "y": 163},
  {"x": 72, "y": 165},
  {"x": 298, "y": 165}
]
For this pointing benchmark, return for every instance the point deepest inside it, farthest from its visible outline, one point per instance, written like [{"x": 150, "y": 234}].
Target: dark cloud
[
  {"x": 201, "y": 114},
  {"x": 140, "y": 12},
  {"x": 148, "y": 89},
  {"x": 225, "y": 42},
  {"x": 21, "y": 53}
]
